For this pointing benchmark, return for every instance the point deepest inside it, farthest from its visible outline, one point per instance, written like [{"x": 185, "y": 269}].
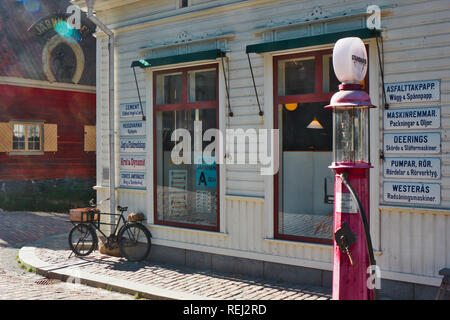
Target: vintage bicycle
[{"x": 130, "y": 235}]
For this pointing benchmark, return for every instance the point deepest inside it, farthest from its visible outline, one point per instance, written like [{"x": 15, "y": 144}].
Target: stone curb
[{"x": 73, "y": 274}]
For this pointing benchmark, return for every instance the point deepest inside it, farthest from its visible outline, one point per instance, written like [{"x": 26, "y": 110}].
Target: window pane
[
  {"x": 19, "y": 137},
  {"x": 296, "y": 76},
  {"x": 186, "y": 192},
  {"x": 34, "y": 137},
  {"x": 169, "y": 88},
  {"x": 202, "y": 85},
  {"x": 330, "y": 82},
  {"x": 306, "y": 145}
]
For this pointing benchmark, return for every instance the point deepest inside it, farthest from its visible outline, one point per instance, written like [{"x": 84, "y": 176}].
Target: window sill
[
  {"x": 172, "y": 228},
  {"x": 25, "y": 153}
]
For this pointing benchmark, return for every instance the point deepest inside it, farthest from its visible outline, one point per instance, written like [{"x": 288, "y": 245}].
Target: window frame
[
  {"x": 184, "y": 105},
  {"x": 27, "y": 150},
  {"x": 317, "y": 96}
]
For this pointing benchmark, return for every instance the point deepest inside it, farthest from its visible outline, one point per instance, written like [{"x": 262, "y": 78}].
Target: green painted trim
[
  {"x": 310, "y": 41},
  {"x": 189, "y": 57}
]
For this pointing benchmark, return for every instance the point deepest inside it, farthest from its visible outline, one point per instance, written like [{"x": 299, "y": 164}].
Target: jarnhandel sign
[
  {"x": 412, "y": 142},
  {"x": 412, "y": 168},
  {"x": 412, "y": 118},
  {"x": 412, "y": 193},
  {"x": 413, "y": 91}
]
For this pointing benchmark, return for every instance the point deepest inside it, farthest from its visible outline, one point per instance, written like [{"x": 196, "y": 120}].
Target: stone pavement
[
  {"x": 50, "y": 257},
  {"x": 16, "y": 283}
]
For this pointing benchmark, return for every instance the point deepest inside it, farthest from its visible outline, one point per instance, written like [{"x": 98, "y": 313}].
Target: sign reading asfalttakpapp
[{"x": 413, "y": 91}]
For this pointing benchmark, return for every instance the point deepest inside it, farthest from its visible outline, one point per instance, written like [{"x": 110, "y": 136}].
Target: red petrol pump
[{"x": 352, "y": 247}]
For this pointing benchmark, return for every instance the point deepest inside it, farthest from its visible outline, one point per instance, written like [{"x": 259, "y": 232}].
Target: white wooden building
[{"x": 278, "y": 227}]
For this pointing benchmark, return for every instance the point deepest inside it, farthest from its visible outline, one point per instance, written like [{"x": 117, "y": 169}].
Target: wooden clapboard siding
[
  {"x": 411, "y": 244},
  {"x": 66, "y": 112}
]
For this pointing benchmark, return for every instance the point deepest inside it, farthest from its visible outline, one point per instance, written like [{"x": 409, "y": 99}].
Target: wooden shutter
[
  {"x": 50, "y": 137},
  {"x": 90, "y": 143},
  {"x": 6, "y": 134}
]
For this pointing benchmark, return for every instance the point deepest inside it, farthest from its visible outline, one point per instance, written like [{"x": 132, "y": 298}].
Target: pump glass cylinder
[{"x": 351, "y": 135}]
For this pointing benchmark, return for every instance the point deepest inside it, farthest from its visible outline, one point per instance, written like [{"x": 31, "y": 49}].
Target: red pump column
[{"x": 350, "y": 281}]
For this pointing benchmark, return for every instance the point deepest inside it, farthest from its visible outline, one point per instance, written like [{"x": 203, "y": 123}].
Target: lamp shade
[{"x": 314, "y": 124}]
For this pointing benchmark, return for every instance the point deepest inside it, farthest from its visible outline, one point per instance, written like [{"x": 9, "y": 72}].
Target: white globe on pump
[{"x": 350, "y": 60}]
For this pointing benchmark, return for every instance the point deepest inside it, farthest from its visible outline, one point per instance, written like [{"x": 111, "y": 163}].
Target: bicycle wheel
[
  {"x": 82, "y": 239},
  {"x": 134, "y": 242}
]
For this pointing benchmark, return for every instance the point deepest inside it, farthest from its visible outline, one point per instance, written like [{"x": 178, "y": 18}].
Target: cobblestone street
[{"x": 16, "y": 283}]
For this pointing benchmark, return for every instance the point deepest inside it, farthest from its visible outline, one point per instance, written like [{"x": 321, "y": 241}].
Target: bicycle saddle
[{"x": 122, "y": 209}]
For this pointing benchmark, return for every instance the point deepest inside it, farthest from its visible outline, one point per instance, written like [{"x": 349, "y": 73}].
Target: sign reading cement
[
  {"x": 413, "y": 91},
  {"x": 411, "y": 142},
  {"x": 412, "y": 118},
  {"x": 345, "y": 203},
  {"x": 132, "y": 145},
  {"x": 132, "y": 162},
  {"x": 132, "y": 180},
  {"x": 412, "y": 168},
  {"x": 132, "y": 128},
  {"x": 131, "y": 110},
  {"x": 412, "y": 193}
]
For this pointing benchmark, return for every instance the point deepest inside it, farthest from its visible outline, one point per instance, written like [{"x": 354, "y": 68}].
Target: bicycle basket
[
  {"x": 84, "y": 214},
  {"x": 135, "y": 217}
]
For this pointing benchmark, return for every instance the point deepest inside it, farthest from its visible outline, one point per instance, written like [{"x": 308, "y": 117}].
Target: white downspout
[{"x": 112, "y": 169}]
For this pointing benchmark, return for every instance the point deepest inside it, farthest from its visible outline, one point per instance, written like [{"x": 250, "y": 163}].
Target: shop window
[
  {"x": 186, "y": 193},
  {"x": 304, "y": 185}
]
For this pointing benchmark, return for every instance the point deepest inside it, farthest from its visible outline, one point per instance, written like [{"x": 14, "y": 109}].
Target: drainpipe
[{"x": 112, "y": 171}]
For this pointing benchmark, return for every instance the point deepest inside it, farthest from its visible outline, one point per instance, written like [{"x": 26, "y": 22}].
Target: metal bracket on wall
[
  {"x": 139, "y": 95},
  {"x": 261, "y": 113},
  {"x": 230, "y": 113}
]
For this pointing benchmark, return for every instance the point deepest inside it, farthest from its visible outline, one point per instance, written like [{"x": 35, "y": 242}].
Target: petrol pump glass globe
[{"x": 351, "y": 135}]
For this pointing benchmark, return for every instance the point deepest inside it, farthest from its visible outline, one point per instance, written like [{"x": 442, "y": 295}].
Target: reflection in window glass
[
  {"x": 34, "y": 137},
  {"x": 330, "y": 82},
  {"x": 19, "y": 137},
  {"x": 186, "y": 192},
  {"x": 202, "y": 85},
  {"x": 304, "y": 208},
  {"x": 296, "y": 76},
  {"x": 169, "y": 88}
]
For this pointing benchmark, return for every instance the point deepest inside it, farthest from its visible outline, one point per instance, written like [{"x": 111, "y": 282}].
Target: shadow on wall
[{"x": 53, "y": 195}]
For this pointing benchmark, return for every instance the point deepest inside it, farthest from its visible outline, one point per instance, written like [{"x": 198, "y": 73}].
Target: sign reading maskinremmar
[
  {"x": 412, "y": 192},
  {"x": 412, "y": 118}
]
